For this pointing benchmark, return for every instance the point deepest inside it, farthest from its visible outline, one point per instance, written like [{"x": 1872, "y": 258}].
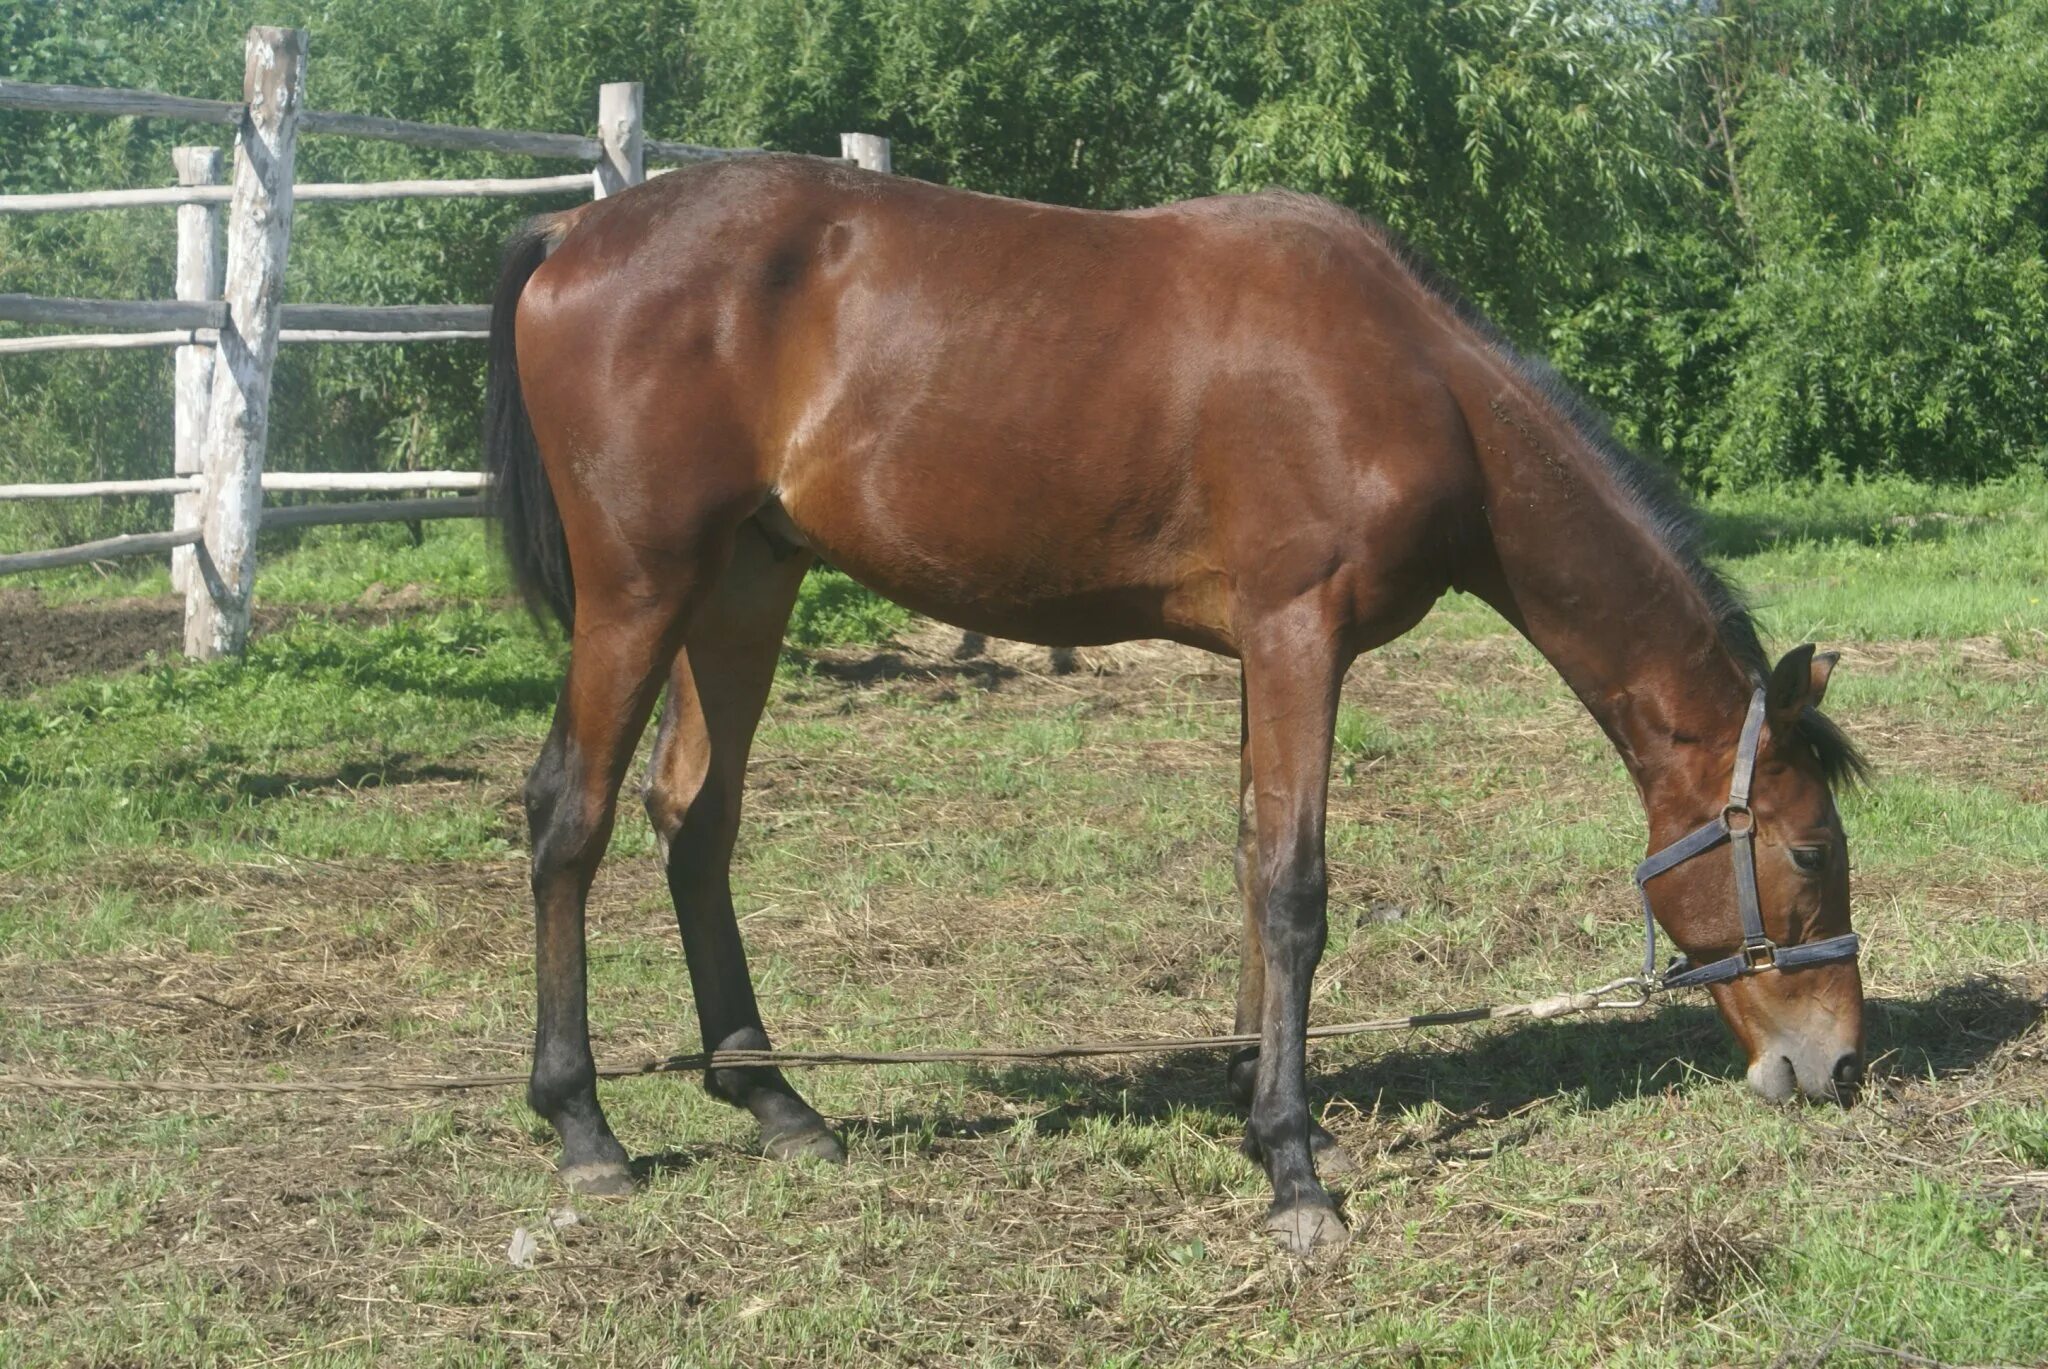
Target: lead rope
[{"x": 1637, "y": 988}]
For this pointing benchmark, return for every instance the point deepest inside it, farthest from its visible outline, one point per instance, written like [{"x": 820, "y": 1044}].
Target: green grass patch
[{"x": 310, "y": 863}]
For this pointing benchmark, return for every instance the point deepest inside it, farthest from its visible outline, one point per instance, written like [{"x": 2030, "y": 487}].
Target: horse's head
[{"x": 1787, "y": 984}]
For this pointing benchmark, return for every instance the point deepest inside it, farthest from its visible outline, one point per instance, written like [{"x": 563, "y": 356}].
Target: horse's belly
[{"x": 1048, "y": 565}]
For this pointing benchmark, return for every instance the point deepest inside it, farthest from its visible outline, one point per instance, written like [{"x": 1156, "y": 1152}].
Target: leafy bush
[
  {"x": 1774, "y": 238},
  {"x": 1898, "y": 315}
]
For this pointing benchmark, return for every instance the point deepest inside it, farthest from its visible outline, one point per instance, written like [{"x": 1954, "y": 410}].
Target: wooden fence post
[
  {"x": 866, "y": 150},
  {"x": 622, "y": 132},
  {"x": 238, "y": 416},
  {"x": 198, "y": 278}
]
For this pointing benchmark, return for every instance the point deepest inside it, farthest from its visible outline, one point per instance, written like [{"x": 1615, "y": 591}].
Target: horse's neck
[{"x": 1597, "y": 590}]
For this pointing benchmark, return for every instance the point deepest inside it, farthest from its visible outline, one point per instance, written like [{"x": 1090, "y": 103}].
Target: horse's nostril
[{"x": 1848, "y": 1072}]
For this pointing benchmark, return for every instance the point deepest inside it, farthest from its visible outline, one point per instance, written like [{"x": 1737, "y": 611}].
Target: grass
[{"x": 310, "y": 863}]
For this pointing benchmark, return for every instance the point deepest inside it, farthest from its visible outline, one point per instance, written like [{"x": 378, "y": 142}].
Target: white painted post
[
  {"x": 238, "y": 416},
  {"x": 869, "y": 151},
  {"x": 622, "y": 133},
  {"x": 198, "y": 278}
]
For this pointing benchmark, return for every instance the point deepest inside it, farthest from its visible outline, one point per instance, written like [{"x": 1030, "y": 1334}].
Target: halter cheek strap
[{"x": 1736, "y": 825}]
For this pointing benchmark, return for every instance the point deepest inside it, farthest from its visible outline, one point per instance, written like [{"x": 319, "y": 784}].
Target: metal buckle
[
  {"x": 1763, "y": 957},
  {"x": 1742, "y": 810},
  {"x": 1635, "y": 984}
]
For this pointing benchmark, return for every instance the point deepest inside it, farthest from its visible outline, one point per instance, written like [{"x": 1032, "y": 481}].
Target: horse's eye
[{"x": 1812, "y": 859}]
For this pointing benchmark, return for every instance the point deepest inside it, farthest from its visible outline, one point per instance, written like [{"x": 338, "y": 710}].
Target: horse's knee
[
  {"x": 1295, "y": 924},
  {"x": 566, "y": 825},
  {"x": 546, "y": 784}
]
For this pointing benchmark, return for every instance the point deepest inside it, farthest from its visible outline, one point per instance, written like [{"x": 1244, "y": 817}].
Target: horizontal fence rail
[
  {"x": 222, "y": 393},
  {"x": 196, "y": 314},
  {"x": 106, "y": 549},
  {"x": 272, "y": 482},
  {"x": 366, "y": 482},
  {"x": 347, "y": 335},
  {"x": 208, "y": 337},
  {"x": 274, "y": 517},
  {"x": 666, "y": 150},
  {"x": 150, "y": 105},
  {"x": 138, "y": 103},
  {"x": 389, "y": 317},
  {"x": 88, "y": 489},
  {"x": 313, "y": 192},
  {"x": 94, "y": 342},
  {"x": 114, "y": 313}
]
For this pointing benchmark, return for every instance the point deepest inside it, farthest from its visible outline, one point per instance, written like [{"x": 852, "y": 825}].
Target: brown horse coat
[{"x": 1245, "y": 423}]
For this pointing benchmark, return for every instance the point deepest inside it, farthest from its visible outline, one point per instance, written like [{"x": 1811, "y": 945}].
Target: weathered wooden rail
[{"x": 226, "y": 324}]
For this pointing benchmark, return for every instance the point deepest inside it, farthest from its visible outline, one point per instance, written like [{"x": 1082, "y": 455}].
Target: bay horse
[{"x": 1251, "y": 424}]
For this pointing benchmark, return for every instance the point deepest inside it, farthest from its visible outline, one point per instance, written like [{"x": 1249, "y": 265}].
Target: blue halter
[{"x": 1736, "y": 825}]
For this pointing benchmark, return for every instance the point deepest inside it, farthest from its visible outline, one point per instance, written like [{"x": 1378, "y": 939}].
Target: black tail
[{"x": 530, "y": 524}]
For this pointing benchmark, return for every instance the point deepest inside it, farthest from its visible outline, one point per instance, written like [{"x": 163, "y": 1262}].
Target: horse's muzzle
[{"x": 1820, "y": 1072}]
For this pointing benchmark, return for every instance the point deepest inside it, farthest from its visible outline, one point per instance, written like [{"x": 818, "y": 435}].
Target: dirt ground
[
  {"x": 1088, "y": 1213},
  {"x": 42, "y": 643}
]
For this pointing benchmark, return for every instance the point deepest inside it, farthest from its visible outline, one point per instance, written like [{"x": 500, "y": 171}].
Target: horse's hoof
[
  {"x": 598, "y": 1177},
  {"x": 1306, "y": 1230},
  {"x": 1331, "y": 1158},
  {"x": 810, "y": 1143}
]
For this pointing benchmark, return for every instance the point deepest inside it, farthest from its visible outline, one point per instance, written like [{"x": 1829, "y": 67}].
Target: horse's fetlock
[
  {"x": 561, "y": 1079},
  {"x": 1269, "y": 1135},
  {"x": 1242, "y": 1074},
  {"x": 735, "y": 1086}
]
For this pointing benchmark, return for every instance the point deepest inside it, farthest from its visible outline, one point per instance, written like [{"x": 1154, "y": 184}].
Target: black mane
[{"x": 1666, "y": 512}]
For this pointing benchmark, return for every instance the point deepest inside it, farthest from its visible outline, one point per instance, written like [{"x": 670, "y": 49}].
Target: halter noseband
[{"x": 1737, "y": 826}]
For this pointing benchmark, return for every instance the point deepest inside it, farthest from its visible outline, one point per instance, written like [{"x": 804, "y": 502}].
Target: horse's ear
[{"x": 1800, "y": 682}]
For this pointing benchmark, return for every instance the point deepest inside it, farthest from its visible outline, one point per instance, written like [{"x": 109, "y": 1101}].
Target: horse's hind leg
[
  {"x": 621, "y": 646},
  {"x": 718, "y": 686}
]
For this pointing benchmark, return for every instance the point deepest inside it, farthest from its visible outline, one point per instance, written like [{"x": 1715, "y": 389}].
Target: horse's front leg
[
  {"x": 1243, "y": 1070},
  {"x": 1293, "y": 669}
]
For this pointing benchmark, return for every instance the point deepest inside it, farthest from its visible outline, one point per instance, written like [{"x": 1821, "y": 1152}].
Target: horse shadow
[
  {"x": 885, "y": 667},
  {"x": 1744, "y": 534},
  {"x": 396, "y": 770},
  {"x": 1602, "y": 1062}
]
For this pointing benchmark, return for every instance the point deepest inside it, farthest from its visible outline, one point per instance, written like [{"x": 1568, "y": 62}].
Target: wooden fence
[{"x": 227, "y": 322}]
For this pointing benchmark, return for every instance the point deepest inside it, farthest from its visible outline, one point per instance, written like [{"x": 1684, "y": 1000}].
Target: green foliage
[
  {"x": 1898, "y": 310},
  {"x": 2018, "y": 1131},
  {"x": 833, "y": 610},
  {"x": 1773, "y": 238},
  {"x": 266, "y": 750}
]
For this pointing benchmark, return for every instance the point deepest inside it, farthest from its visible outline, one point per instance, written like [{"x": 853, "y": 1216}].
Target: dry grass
[{"x": 947, "y": 852}]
